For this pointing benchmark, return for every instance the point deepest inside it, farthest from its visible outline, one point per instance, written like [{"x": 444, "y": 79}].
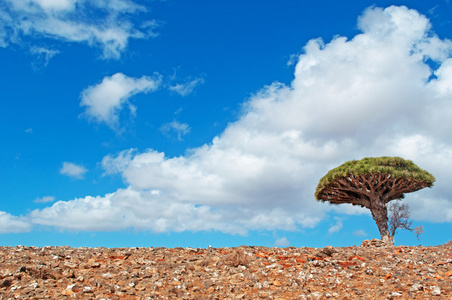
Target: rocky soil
[{"x": 366, "y": 272}]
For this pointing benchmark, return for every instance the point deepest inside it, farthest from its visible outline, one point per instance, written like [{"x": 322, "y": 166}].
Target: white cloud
[
  {"x": 115, "y": 164},
  {"x": 73, "y": 170},
  {"x": 180, "y": 129},
  {"x": 360, "y": 232},
  {"x": 44, "y": 199},
  {"x": 104, "y": 101},
  {"x": 186, "y": 88},
  {"x": 13, "y": 224},
  {"x": 126, "y": 208},
  {"x": 282, "y": 242},
  {"x": 106, "y": 24},
  {"x": 336, "y": 227},
  {"x": 44, "y": 54},
  {"x": 371, "y": 95}
]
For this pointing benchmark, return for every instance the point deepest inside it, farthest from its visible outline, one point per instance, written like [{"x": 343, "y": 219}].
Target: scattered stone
[
  {"x": 416, "y": 287},
  {"x": 373, "y": 243},
  {"x": 5, "y": 283},
  {"x": 372, "y": 271},
  {"x": 435, "y": 290},
  {"x": 394, "y": 295},
  {"x": 328, "y": 251}
]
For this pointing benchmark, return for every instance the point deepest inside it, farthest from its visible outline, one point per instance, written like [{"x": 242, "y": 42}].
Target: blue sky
[{"x": 196, "y": 123}]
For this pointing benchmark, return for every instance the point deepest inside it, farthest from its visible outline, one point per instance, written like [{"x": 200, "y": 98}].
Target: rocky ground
[{"x": 366, "y": 272}]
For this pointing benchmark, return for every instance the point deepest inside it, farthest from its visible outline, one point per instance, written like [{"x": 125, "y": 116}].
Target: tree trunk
[{"x": 380, "y": 215}]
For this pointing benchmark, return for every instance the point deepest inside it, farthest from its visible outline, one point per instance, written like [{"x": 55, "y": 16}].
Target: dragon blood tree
[{"x": 371, "y": 183}]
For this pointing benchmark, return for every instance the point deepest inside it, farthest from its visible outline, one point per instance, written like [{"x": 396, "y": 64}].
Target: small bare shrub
[
  {"x": 398, "y": 215},
  {"x": 418, "y": 231}
]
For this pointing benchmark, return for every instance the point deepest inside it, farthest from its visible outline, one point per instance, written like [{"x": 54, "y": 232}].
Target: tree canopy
[{"x": 385, "y": 167}]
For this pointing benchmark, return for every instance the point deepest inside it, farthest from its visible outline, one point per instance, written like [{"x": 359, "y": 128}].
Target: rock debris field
[{"x": 371, "y": 271}]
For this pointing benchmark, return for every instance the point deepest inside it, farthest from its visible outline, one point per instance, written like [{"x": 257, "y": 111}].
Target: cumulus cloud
[
  {"x": 13, "y": 224},
  {"x": 372, "y": 95},
  {"x": 106, "y": 24},
  {"x": 113, "y": 164},
  {"x": 103, "y": 102},
  {"x": 127, "y": 208},
  {"x": 73, "y": 170}
]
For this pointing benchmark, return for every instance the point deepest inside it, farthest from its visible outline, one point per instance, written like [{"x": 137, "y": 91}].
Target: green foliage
[{"x": 395, "y": 166}]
